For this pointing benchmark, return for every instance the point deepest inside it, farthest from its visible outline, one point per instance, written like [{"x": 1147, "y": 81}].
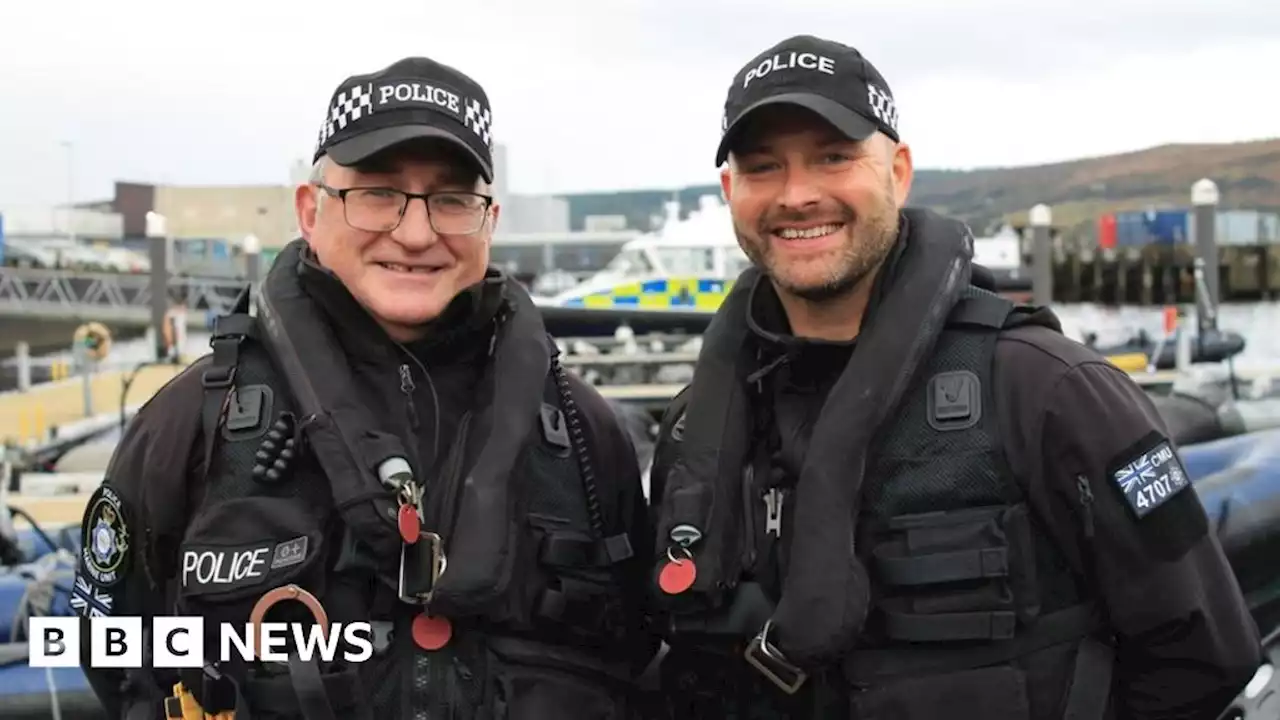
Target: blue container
[
  {"x": 1131, "y": 230},
  {"x": 1168, "y": 227}
]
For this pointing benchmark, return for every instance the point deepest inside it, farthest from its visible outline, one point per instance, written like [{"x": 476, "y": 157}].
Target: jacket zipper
[
  {"x": 1086, "y": 504},
  {"x": 444, "y": 512},
  {"x": 750, "y": 530},
  {"x": 407, "y": 387}
]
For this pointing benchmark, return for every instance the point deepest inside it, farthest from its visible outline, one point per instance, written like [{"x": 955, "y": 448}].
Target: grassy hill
[{"x": 1247, "y": 173}]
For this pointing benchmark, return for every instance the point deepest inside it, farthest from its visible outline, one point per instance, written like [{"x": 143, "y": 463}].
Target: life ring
[{"x": 95, "y": 338}]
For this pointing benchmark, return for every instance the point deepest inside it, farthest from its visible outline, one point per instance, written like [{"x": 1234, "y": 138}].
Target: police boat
[{"x": 672, "y": 281}]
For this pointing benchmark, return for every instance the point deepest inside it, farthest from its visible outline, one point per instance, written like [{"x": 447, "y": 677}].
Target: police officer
[
  {"x": 889, "y": 492},
  {"x": 389, "y": 439}
]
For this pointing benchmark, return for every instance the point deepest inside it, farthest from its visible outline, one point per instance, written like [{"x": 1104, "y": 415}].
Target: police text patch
[
  {"x": 211, "y": 569},
  {"x": 1149, "y": 478}
]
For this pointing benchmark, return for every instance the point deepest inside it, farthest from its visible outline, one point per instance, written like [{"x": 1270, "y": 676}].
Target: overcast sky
[{"x": 608, "y": 94}]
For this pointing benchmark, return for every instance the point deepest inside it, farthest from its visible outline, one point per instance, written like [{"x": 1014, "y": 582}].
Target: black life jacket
[
  {"x": 268, "y": 519},
  {"x": 974, "y": 607}
]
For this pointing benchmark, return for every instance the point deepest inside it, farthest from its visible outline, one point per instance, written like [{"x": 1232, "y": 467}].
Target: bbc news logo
[{"x": 179, "y": 642}]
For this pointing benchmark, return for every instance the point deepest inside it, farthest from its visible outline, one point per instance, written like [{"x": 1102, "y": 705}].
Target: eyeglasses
[{"x": 376, "y": 209}]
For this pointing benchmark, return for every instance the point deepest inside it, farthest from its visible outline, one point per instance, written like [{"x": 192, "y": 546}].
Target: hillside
[
  {"x": 1247, "y": 173},
  {"x": 1248, "y": 176}
]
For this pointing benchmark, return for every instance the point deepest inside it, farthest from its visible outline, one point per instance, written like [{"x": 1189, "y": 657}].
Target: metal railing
[{"x": 26, "y": 292}]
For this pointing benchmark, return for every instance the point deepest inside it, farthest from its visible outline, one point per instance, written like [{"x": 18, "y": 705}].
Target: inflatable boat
[
  {"x": 1142, "y": 351},
  {"x": 1237, "y": 478}
]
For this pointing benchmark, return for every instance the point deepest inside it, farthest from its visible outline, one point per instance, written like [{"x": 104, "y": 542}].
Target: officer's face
[
  {"x": 408, "y": 275},
  {"x": 811, "y": 208}
]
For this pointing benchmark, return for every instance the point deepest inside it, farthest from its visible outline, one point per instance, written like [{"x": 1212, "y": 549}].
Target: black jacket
[
  {"x": 1186, "y": 642},
  {"x": 157, "y": 469}
]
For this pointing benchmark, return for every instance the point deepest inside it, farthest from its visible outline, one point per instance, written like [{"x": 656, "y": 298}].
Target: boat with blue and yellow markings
[{"x": 673, "y": 280}]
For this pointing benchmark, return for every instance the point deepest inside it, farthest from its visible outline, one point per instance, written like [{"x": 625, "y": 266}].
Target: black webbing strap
[
  {"x": 561, "y": 550},
  {"x": 576, "y": 602},
  {"x": 1073, "y": 623},
  {"x": 313, "y": 701},
  {"x": 982, "y": 309},
  {"x": 944, "y": 566},
  {"x": 229, "y": 332},
  {"x": 1091, "y": 684},
  {"x": 951, "y": 627}
]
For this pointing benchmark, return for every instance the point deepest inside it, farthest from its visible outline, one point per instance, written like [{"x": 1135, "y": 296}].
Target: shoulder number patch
[
  {"x": 104, "y": 555},
  {"x": 1151, "y": 477}
]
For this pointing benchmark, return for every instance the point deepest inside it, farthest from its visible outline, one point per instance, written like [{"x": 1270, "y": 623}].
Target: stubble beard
[{"x": 868, "y": 240}]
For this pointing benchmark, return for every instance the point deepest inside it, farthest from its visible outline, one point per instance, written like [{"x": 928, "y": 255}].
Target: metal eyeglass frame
[{"x": 341, "y": 194}]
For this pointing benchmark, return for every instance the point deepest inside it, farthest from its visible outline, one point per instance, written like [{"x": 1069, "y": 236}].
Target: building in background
[{"x": 229, "y": 212}]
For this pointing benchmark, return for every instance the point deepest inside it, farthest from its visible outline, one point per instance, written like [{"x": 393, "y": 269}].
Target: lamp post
[
  {"x": 158, "y": 237},
  {"x": 71, "y": 190}
]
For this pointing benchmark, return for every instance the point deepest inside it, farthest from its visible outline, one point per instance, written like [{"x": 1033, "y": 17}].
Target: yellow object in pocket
[{"x": 182, "y": 705}]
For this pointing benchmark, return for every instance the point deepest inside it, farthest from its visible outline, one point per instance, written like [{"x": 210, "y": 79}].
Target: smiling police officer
[
  {"x": 891, "y": 493},
  {"x": 391, "y": 438}
]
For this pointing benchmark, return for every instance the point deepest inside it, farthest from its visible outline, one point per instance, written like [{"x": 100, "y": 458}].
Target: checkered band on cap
[
  {"x": 477, "y": 119},
  {"x": 883, "y": 106},
  {"x": 406, "y": 101},
  {"x": 351, "y": 104}
]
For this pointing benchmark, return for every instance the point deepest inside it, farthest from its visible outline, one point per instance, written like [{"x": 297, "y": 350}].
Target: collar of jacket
[{"x": 462, "y": 330}]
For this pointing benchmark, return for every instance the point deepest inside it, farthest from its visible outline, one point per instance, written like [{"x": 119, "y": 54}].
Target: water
[{"x": 1257, "y": 322}]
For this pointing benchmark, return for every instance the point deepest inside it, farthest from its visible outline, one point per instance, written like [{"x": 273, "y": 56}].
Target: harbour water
[{"x": 1257, "y": 322}]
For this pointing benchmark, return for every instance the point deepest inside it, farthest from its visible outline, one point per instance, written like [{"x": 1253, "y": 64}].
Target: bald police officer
[{"x": 890, "y": 493}]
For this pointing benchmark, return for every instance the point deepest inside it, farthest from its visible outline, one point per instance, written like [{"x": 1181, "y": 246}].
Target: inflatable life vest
[
  {"x": 972, "y": 604},
  {"x": 268, "y": 521}
]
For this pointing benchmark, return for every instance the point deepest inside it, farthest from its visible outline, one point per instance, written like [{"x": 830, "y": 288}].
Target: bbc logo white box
[
  {"x": 115, "y": 642},
  {"x": 54, "y": 641},
  {"x": 177, "y": 642}
]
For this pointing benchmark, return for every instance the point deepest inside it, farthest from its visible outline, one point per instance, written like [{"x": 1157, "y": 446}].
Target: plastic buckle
[
  {"x": 766, "y": 658},
  {"x": 216, "y": 378},
  {"x": 217, "y": 694}
]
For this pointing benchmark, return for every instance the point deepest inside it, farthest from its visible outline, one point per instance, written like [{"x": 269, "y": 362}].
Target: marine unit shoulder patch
[
  {"x": 106, "y": 551},
  {"x": 1149, "y": 474}
]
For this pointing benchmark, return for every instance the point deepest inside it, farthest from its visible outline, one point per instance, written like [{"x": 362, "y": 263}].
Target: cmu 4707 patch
[{"x": 1151, "y": 476}]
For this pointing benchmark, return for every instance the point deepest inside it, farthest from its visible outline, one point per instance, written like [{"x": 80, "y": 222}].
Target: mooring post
[
  {"x": 1204, "y": 197},
  {"x": 1041, "y": 255}
]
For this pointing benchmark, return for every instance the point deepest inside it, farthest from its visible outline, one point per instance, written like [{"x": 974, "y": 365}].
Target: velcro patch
[
  {"x": 1149, "y": 478},
  {"x": 230, "y": 567}
]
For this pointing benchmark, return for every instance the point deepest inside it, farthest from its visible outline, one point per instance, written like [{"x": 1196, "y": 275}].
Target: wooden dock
[{"x": 27, "y": 418}]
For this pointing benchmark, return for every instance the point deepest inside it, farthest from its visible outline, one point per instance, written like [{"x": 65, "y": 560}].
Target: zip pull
[
  {"x": 1086, "y": 504},
  {"x": 407, "y": 387},
  {"x": 773, "y": 512},
  {"x": 409, "y": 519}
]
